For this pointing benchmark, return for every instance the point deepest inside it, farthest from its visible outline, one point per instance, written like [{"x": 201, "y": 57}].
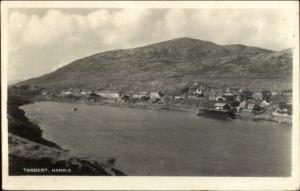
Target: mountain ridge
[{"x": 170, "y": 65}]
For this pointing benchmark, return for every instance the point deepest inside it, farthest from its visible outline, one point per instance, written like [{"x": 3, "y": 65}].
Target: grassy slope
[{"x": 172, "y": 64}]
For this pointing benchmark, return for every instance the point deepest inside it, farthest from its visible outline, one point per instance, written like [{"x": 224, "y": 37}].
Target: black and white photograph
[{"x": 160, "y": 89}]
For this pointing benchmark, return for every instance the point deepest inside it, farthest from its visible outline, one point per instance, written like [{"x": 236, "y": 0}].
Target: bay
[{"x": 166, "y": 143}]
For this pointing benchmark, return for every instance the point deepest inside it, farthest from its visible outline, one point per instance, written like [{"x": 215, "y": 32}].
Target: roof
[
  {"x": 220, "y": 104},
  {"x": 228, "y": 94}
]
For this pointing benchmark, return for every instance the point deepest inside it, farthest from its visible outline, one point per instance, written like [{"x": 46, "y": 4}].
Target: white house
[
  {"x": 250, "y": 106},
  {"x": 199, "y": 92},
  {"x": 243, "y": 104},
  {"x": 66, "y": 92},
  {"x": 264, "y": 103},
  {"x": 178, "y": 97},
  {"x": 154, "y": 95},
  {"x": 141, "y": 95},
  {"x": 219, "y": 106},
  {"x": 83, "y": 92},
  {"x": 109, "y": 95},
  {"x": 135, "y": 96}
]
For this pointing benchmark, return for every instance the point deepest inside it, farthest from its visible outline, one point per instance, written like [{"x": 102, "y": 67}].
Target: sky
[{"x": 42, "y": 40}]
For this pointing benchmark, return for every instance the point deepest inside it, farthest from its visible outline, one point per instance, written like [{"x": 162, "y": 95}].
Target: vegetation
[{"x": 19, "y": 124}]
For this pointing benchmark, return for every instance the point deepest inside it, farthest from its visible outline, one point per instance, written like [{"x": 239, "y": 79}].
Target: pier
[{"x": 218, "y": 114}]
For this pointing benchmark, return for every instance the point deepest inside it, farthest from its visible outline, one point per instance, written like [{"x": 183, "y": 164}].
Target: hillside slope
[{"x": 172, "y": 64}]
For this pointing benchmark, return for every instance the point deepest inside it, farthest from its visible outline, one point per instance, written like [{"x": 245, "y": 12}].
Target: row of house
[
  {"x": 112, "y": 95},
  {"x": 220, "y": 94},
  {"x": 199, "y": 88},
  {"x": 255, "y": 106}
]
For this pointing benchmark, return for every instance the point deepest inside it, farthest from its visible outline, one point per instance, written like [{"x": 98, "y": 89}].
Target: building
[
  {"x": 44, "y": 93},
  {"x": 89, "y": 99},
  {"x": 243, "y": 105},
  {"x": 287, "y": 106},
  {"x": 135, "y": 96},
  {"x": 125, "y": 97},
  {"x": 257, "y": 96},
  {"x": 234, "y": 90},
  {"x": 141, "y": 95},
  {"x": 220, "y": 98},
  {"x": 266, "y": 94},
  {"x": 246, "y": 94},
  {"x": 221, "y": 106},
  {"x": 108, "y": 94},
  {"x": 66, "y": 92},
  {"x": 82, "y": 92},
  {"x": 90, "y": 92},
  {"x": 275, "y": 92},
  {"x": 250, "y": 106},
  {"x": 154, "y": 95},
  {"x": 216, "y": 92},
  {"x": 211, "y": 98},
  {"x": 178, "y": 97},
  {"x": 198, "y": 92},
  {"x": 229, "y": 96},
  {"x": 264, "y": 103},
  {"x": 287, "y": 92},
  {"x": 76, "y": 92}
]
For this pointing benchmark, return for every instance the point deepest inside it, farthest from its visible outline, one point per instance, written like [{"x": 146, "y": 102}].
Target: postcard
[{"x": 164, "y": 95}]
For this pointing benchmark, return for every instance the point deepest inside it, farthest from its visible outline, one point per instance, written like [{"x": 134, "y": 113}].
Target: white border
[{"x": 151, "y": 183}]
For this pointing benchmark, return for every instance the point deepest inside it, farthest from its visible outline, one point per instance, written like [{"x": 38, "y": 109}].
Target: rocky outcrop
[
  {"x": 31, "y": 154},
  {"x": 30, "y": 158}
]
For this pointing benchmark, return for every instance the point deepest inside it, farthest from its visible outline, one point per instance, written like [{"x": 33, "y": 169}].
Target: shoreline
[
  {"x": 119, "y": 104},
  {"x": 244, "y": 115},
  {"x": 30, "y": 153}
]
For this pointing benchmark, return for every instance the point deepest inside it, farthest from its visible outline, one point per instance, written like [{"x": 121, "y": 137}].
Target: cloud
[
  {"x": 125, "y": 25},
  {"x": 46, "y": 41},
  {"x": 56, "y": 25}
]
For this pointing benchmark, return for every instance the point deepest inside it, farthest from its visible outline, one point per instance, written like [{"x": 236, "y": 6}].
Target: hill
[{"x": 171, "y": 65}]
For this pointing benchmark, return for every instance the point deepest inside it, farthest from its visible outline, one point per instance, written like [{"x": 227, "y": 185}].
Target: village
[{"x": 272, "y": 105}]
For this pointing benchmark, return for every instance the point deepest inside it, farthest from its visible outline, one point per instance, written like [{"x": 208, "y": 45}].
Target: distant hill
[{"x": 171, "y": 65}]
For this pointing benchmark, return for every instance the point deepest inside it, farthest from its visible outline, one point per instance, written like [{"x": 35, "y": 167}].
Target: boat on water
[{"x": 75, "y": 109}]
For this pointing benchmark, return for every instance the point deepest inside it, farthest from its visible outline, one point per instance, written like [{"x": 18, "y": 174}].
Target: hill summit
[{"x": 173, "y": 64}]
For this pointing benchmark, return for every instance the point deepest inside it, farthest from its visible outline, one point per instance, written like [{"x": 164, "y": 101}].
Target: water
[{"x": 167, "y": 143}]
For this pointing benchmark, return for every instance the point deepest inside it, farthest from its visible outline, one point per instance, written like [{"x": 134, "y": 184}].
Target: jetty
[{"x": 217, "y": 114}]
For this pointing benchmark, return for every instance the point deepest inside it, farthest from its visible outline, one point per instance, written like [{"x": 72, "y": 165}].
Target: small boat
[{"x": 75, "y": 109}]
